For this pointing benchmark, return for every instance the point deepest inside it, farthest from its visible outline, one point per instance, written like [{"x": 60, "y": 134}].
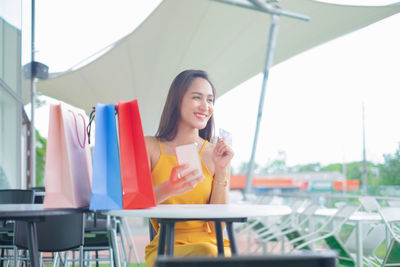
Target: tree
[
  {"x": 390, "y": 170},
  {"x": 278, "y": 165},
  {"x": 41, "y": 144},
  {"x": 333, "y": 167},
  {"x": 311, "y": 167}
]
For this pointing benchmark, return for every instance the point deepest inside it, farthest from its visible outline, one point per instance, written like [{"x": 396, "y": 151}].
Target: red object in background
[
  {"x": 239, "y": 182},
  {"x": 351, "y": 185},
  {"x": 137, "y": 185}
]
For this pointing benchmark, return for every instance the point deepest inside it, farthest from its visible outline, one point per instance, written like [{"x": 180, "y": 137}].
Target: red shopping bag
[
  {"x": 137, "y": 185},
  {"x": 68, "y": 169}
]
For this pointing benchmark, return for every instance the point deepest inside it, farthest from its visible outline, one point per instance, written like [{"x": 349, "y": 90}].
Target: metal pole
[
  {"x": 268, "y": 63},
  {"x": 364, "y": 173},
  {"x": 32, "y": 171}
]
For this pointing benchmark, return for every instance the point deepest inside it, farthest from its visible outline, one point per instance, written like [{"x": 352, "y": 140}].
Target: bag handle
[
  {"x": 76, "y": 129},
  {"x": 91, "y": 119}
]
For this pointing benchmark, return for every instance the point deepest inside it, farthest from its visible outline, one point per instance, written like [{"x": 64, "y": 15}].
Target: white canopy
[{"x": 229, "y": 42}]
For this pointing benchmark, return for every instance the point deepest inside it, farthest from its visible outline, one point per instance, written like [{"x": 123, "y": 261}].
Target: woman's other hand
[{"x": 222, "y": 155}]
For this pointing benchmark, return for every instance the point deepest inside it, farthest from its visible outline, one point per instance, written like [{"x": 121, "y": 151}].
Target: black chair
[
  {"x": 39, "y": 193},
  {"x": 152, "y": 231},
  {"x": 325, "y": 259},
  {"x": 102, "y": 232},
  {"x": 11, "y": 196},
  {"x": 55, "y": 234},
  {"x": 98, "y": 237}
]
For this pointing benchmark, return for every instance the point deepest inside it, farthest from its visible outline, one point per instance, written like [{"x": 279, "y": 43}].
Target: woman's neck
[{"x": 186, "y": 135}]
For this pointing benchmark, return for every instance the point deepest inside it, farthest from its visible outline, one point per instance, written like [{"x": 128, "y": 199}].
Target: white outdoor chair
[
  {"x": 257, "y": 226},
  {"x": 372, "y": 238},
  {"x": 329, "y": 233},
  {"x": 392, "y": 257},
  {"x": 298, "y": 226},
  {"x": 259, "y": 223}
]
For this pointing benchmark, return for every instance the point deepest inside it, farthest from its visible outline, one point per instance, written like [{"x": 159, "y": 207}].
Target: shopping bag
[
  {"x": 68, "y": 169},
  {"x": 137, "y": 185},
  {"x": 106, "y": 181}
]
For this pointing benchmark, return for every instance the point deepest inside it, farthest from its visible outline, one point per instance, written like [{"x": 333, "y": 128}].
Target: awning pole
[
  {"x": 273, "y": 31},
  {"x": 32, "y": 170}
]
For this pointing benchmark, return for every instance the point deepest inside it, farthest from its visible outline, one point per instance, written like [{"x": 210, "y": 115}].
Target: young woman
[{"x": 188, "y": 118}]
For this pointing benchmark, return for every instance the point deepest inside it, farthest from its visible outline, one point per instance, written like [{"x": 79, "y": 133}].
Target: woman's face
[{"x": 197, "y": 104}]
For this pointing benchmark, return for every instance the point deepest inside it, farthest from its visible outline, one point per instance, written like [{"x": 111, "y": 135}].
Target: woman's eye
[{"x": 210, "y": 100}]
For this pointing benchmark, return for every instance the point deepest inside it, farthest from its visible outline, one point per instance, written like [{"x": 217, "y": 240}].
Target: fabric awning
[{"x": 229, "y": 42}]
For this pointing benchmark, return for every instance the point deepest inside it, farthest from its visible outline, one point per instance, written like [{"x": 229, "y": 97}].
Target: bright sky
[{"x": 313, "y": 107}]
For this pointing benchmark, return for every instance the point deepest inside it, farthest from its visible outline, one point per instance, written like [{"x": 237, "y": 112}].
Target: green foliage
[
  {"x": 311, "y": 167},
  {"x": 333, "y": 167},
  {"x": 41, "y": 143},
  {"x": 278, "y": 165},
  {"x": 390, "y": 170},
  {"x": 387, "y": 173}
]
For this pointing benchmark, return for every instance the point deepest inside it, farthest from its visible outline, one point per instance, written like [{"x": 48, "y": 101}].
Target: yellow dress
[{"x": 192, "y": 238}]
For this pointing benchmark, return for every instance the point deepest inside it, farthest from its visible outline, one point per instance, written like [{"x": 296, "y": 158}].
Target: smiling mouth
[{"x": 200, "y": 115}]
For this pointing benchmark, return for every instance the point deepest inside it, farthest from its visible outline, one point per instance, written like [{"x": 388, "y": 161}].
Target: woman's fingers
[{"x": 185, "y": 182}]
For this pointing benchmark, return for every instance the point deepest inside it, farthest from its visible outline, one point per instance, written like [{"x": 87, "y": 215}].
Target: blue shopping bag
[{"x": 106, "y": 181}]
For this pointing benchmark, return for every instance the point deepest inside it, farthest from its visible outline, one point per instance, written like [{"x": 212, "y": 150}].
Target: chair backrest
[
  {"x": 336, "y": 221},
  {"x": 307, "y": 213},
  {"x": 16, "y": 196},
  {"x": 372, "y": 237},
  {"x": 39, "y": 193},
  {"x": 369, "y": 203},
  {"x": 55, "y": 233}
]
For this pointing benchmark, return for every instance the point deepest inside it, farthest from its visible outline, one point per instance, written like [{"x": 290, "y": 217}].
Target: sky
[{"x": 313, "y": 106}]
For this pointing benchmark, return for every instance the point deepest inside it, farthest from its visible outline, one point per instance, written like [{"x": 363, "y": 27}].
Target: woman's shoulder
[
  {"x": 153, "y": 149},
  {"x": 151, "y": 142}
]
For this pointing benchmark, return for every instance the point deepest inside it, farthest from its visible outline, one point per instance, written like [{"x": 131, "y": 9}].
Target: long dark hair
[{"x": 170, "y": 116}]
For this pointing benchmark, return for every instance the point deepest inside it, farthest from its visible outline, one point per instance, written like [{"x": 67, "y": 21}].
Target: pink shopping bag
[{"x": 68, "y": 169}]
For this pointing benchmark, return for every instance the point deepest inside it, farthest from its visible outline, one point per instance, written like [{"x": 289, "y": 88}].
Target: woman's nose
[{"x": 204, "y": 105}]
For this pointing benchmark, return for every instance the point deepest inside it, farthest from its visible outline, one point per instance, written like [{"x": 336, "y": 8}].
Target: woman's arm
[{"x": 222, "y": 156}]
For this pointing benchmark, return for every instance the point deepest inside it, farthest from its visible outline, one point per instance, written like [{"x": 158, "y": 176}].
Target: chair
[
  {"x": 98, "y": 237},
  {"x": 101, "y": 233},
  {"x": 55, "y": 234},
  {"x": 392, "y": 256},
  {"x": 296, "y": 229},
  {"x": 11, "y": 196},
  {"x": 263, "y": 229},
  {"x": 372, "y": 238},
  {"x": 152, "y": 231},
  {"x": 328, "y": 232},
  {"x": 259, "y": 226}
]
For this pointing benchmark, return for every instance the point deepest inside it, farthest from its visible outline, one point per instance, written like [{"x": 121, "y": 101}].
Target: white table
[
  {"x": 359, "y": 218},
  {"x": 205, "y": 211},
  {"x": 167, "y": 215}
]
